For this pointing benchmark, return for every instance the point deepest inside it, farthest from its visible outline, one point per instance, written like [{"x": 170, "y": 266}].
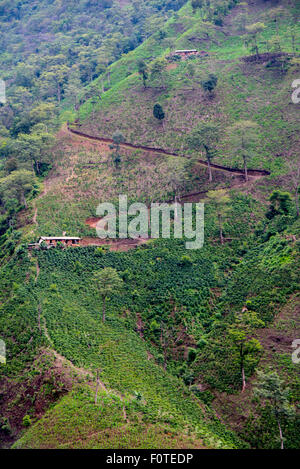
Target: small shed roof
[
  {"x": 186, "y": 50},
  {"x": 58, "y": 238}
]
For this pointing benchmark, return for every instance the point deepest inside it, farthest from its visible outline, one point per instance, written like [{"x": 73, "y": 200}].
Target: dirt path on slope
[
  {"x": 257, "y": 173},
  {"x": 104, "y": 144}
]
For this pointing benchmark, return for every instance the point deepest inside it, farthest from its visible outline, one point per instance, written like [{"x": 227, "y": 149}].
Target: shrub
[
  {"x": 27, "y": 421},
  {"x": 192, "y": 355},
  {"x": 185, "y": 261},
  {"x": 5, "y": 426},
  {"x": 202, "y": 343}
]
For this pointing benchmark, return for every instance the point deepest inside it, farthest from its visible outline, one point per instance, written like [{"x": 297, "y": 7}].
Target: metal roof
[
  {"x": 187, "y": 50},
  {"x": 66, "y": 238}
]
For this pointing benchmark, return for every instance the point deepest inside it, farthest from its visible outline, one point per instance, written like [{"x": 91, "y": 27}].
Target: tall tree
[
  {"x": 118, "y": 139},
  {"x": 294, "y": 167},
  {"x": 108, "y": 282},
  {"x": 271, "y": 388},
  {"x": 206, "y": 137},
  {"x": 220, "y": 201},
  {"x": 143, "y": 71},
  {"x": 35, "y": 147},
  {"x": 292, "y": 34},
  {"x": 158, "y": 74},
  {"x": 241, "y": 334},
  {"x": 251, "y": 39},
  {"x": 73, "y": 89},
  {"x": 53, "y": 81},
  {"x": 244, "y": 139},
  {"x": 16, "y": 186}
]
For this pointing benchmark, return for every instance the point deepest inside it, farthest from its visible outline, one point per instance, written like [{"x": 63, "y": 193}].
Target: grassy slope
[
  {"x": 69, "y": 313},
  {"x": 244, "y": 90}
]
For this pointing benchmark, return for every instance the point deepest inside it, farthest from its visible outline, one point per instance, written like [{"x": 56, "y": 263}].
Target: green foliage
[
  {"x": 240, "y": 333},
  {"x": 158, "y": 112},
  {"x": 205, "y": 136},
  {"x": 271, "y": 388},
  {"x": 210, "y": 84},
  {"x": 220, "y": 202},
  {"x": 143, "y": 71},
  {"x": 5, "y": 426},
  {"x": 107, "y": 282},
  {"x": 15, "y": 187},
  {"x": 197, "y": 4},
  {"x": 186, "y": 261},
  {"x": 192, "y": 355},
  {"x": 253, "y": 31},
  {"x": 191, "y": 299},
  {"x": 27, "y": 421},
  {"x": 244, "y": 141},
  {"x": 280, "y": 204}
]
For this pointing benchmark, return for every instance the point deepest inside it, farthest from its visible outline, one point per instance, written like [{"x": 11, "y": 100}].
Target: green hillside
[{"x": 188, "y": 333}]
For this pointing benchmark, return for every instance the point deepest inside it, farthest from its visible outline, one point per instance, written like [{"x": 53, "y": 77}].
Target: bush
[
  {"x": 205, "y": 396},
  {"x": 192, "y": 355},
  {"x": 201, "y": 343},
  {"x": 27, "y": 421},
  {"x": 5, "y": 426},
  {"x": 185, "y": 261}
]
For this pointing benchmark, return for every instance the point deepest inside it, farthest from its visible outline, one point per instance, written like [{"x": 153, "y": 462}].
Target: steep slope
[
  {"x": 65, "y": 316},
  {"x": 259, "y": 90},
  {"x": 170, "y": 375}
]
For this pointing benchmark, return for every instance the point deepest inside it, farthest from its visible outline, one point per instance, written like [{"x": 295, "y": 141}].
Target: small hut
[
  {"x": 186, "y": 52},
  {"x": 52, "y": 241},
  {"x": 66, "y": 240}
]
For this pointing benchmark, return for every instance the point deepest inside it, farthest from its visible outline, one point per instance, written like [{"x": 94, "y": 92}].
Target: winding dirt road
[
  {"x": 251, "y": 172},
  {"x": 125, "y": 244}
]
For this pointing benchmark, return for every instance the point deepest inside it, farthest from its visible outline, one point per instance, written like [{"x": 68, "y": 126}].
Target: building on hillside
[
  {"x": 186, "y": 52},
  {"x": 52, "y": 241}
]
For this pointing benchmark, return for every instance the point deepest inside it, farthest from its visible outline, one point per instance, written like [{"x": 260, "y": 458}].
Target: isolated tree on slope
[
  {"x": 205, "y": 136},
  {"x": 108, "y": 282},
  {"x": 240, "y": 333},
  {"x": 294, "y": 167},
  {"x": 270, "y": 387},
  {"x": 210, "y": 84},
  {"x": 244, "y": 139},
  {"x": 158, "y": 74},
  {"x": 178, "y": 174},
  {"x": 158, "y": 112},
  {"x": 118, "y": 139},
  {"x": 143, "y": 71},
  {"x": 220, "y": 200},
  {"x": 251, "y": 39}
]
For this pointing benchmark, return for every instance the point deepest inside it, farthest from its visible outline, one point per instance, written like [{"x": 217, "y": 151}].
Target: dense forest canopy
[{"x": 50, "y": 49}]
